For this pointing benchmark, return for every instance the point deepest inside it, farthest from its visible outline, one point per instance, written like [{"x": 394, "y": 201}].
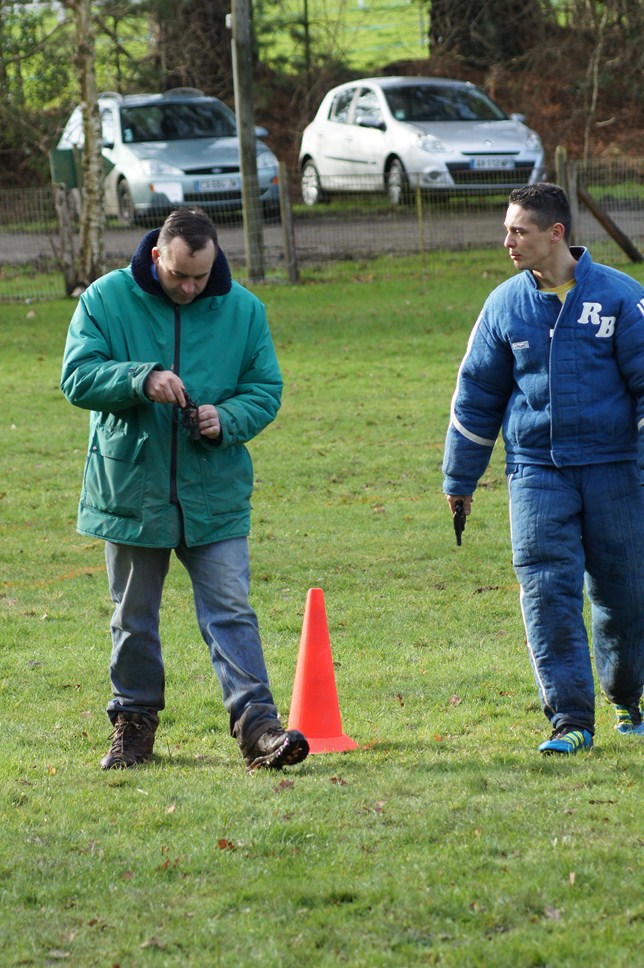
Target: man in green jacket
[{"x": 164, "y": 474}]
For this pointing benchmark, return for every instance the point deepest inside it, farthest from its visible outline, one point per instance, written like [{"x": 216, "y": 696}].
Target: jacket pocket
[
  {"x": 115, "y": 473},
  {"x": 227, "y": 480}
]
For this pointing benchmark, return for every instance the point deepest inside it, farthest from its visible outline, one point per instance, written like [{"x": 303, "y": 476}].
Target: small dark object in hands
[
  {"x": 189, "y": 416},
  {"x": 459, "y": 521}
]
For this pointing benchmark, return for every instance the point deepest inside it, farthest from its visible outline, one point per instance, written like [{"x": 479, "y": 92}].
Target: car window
[
  {"x": 341, "y": 104},
  {"x": 367, "y": 107},
  {"x": 73, "y": 133},
  {"x": 442, "y": 103},
  {"x": 108, "y": 125},
  {"x": 175, "y": 122}
]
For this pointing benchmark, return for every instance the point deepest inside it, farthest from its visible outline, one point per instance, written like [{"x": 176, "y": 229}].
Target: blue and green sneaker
[
  {"x": 629, "y": 719},
  {"x": 567, "y": 739}
]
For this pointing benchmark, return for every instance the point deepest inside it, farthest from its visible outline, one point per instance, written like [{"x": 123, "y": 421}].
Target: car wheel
[
  {"x": 397, "y": 187},
  {"x": 125, "y": 204},
  {"x": 311, "y": 188}
]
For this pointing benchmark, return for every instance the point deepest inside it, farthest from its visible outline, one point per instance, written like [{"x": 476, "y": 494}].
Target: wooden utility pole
[{"x": 243, "y": 85}]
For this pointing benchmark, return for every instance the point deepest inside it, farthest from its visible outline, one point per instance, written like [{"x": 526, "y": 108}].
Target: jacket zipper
[{"x": 175, "y": 423}]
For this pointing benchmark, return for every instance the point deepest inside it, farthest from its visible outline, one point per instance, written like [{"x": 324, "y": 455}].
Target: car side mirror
[
  {"x": 261, "y": 132},
  {"x": 108, "y": 144},
  {"x": 518, "y": 117}
]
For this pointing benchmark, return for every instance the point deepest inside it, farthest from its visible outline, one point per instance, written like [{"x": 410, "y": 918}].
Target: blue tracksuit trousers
[{"x": 569, "y": 526}]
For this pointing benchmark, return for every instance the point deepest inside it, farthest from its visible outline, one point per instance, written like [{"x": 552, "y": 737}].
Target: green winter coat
[{"x": 146, "y": 482}]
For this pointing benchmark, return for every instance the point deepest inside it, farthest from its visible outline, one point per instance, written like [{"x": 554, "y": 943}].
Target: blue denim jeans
[
  {"x": 570, "y": 526},
  {"x": 220, "y": 578}
]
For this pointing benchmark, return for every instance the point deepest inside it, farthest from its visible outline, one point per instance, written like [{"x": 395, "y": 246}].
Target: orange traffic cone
[{"x": 314, "y": 704}]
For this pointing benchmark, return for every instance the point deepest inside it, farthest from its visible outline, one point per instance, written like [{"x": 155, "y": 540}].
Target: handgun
[
  {"x": 190, "y": 417},
  {"x": 459, "y": 520}
]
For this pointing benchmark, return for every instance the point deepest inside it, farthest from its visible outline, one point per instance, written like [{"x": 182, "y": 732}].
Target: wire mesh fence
[{"x": 357, "y": 224}]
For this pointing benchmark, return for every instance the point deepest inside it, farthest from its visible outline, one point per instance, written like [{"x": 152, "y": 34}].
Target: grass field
[
  {"x": 444, "y": 839},
  {"x": 364, "y": 34}
]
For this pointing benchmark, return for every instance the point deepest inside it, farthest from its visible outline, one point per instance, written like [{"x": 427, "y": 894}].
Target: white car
[
  {"x": 395, "y": 134},
  {"x": 163, "y": 150}
]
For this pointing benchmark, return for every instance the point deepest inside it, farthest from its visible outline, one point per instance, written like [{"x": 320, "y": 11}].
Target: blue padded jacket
[{"x": 565, "y": 383}]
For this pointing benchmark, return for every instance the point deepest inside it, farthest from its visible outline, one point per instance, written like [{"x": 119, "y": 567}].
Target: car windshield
[
  {"x": 436, "y": 103},
  {"x": 175, "y": 122}
]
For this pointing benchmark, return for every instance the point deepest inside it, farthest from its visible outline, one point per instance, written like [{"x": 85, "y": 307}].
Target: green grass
[
  {"x": 444, "y": 839},
  {"x": 364, "y": 36}
]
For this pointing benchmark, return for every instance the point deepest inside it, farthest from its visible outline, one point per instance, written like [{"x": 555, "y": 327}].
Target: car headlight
[
  {"x": 427, "y": 142},
  {"x": 533, "y": 141},
  {"x": 152, "y": 166},
  {"x": 266, "y": 159}
]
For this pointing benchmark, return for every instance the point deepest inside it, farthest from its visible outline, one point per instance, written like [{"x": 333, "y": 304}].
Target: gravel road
[{"x": 329, "y": 237}]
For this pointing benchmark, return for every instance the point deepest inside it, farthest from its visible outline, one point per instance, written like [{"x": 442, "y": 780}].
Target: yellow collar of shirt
[{"x": 563, "y": 290}]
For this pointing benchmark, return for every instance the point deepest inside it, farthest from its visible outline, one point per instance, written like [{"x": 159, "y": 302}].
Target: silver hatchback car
[
  {"x": 164, "y": 150},
  {"x": 396, "y": 134}
]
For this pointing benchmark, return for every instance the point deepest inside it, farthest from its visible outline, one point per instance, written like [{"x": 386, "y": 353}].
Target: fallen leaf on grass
[
  {"x": 377, "y": 807},
  {"x": 171, "y": 809},
  {"x": 455, "y": 701},
  {"x": 338, "y": 781},
  {"x": 553, "y": 913},
  {"x": 284, "y": 785},
  {"x": 152, "y": 943},
  {"x": 400, "y": 698},
  {"x": 224, "y": 844}
]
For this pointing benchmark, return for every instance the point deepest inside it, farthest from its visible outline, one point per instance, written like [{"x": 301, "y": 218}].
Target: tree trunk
[{"x": 91, "y": 263}]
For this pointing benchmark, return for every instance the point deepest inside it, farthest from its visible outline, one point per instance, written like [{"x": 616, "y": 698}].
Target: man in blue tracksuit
[{"x": 556, "y": 360}]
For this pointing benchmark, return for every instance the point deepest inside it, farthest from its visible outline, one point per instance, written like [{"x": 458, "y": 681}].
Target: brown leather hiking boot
[
  {"x": 132, "y": 742},
  {"x": 277, "y": 747}
]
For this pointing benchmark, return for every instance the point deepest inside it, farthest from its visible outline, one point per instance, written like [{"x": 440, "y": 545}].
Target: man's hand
[
  {"x": 465, "y": 498},
  {"x": 164, "y": 386},
  {"x": 209, "y": 424}
]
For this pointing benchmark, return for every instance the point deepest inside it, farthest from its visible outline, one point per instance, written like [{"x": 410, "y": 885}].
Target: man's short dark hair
[
  {"x": 190, "y": 224},
  {"x": 546, "y": 203}
]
